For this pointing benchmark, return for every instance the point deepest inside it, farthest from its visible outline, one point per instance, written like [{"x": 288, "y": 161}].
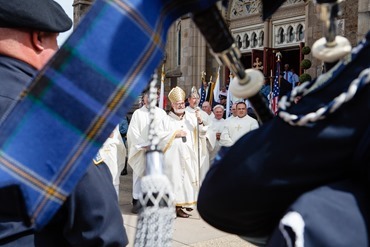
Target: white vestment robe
[
  {"x": 113, "y": 153},
  {"x": 137, "y": 140},
  {"x": 235, "y": 128},
  {"x": 206, "y": 144},
  {"x": 180, "y": 155},
  {"x": 217, "y": 127}
]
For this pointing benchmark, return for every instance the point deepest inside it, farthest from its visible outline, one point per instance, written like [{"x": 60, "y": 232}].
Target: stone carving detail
[
  {"x": 240, "y": 8},
  {"x": 289, "y": 2},
  {"x": 245, "y": 7},
  {"x": 340, "y": 27}
]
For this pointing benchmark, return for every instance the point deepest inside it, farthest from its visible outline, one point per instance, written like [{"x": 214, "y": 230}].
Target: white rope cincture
[{"x": 321, "y": 113}]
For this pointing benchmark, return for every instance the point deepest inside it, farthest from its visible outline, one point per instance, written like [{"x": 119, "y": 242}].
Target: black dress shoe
[
  {"x": 189, "y": 209},
  {"x": 124, "y": 172},
  {"x": 135, "y": 206}
]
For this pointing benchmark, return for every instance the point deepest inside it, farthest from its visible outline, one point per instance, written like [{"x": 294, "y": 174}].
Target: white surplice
[
  {"x": 235, "y": 128},
  {"x": 217, "y": 127},
  {"x": 207, "y": 144},
  {"x": 137, "y": 139},
  {"x": 113, "y": 153},
  {"x": 180, "y": 155}
]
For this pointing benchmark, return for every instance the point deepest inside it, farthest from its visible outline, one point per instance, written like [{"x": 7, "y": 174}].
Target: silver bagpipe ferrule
[
  {"x": 331, "y": 48},
  {"x": 154, "y": 160}
]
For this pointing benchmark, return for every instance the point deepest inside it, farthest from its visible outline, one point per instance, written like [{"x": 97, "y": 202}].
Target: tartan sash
[{"x": 62, "y": 118}]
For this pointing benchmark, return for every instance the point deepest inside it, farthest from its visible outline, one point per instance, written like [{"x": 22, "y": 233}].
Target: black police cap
[{"x": 42, "y": 15}]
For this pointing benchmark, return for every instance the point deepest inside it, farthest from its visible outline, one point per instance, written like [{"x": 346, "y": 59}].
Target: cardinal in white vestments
[
  {"x": 137, "y": 142},
  {"x": 179, "y": 139},
  {"x": 205, "y": 144},
  {"x": 238, "y": 126}
]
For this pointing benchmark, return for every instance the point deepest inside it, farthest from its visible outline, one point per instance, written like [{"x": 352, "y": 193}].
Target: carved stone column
[
  {"x": 363, "y": 18},
  {"x": 193, "y": 55},
  {"x": 266, "y": 30},
  {"x": 80, "y": 7}
]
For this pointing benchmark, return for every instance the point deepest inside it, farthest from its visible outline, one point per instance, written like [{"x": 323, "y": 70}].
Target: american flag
[{"x": 275, "y": 91}]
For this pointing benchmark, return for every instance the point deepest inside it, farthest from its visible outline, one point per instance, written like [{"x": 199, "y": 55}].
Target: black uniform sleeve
[{"x": 90, "y": 216}]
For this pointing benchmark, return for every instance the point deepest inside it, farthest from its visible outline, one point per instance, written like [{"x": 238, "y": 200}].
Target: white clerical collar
[{"x": 174, "y": 115}]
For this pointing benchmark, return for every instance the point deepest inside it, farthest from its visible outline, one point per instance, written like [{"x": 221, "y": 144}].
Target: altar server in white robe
[
  {"x": 206, "y": 145},
  {"x": 206, "y": 106},
  {"x": 137, "y": 142},
  {"x": 113, "y": 153},
  {"x": 218, "y": 124},
  {"x": 179, "y": 139},
  {"x": 238, "y": 126}
]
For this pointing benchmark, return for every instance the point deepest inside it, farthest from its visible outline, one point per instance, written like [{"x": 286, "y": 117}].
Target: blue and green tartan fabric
[{"x": 63, "y": 117}]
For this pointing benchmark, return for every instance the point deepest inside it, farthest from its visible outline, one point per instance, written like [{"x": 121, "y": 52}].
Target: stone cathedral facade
[{"x": 293, "y": 26}]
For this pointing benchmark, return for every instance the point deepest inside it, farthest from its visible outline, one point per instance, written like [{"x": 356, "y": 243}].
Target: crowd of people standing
[
  {"x": 191, "y": 134},
  {"x": 190, "y": 138}
]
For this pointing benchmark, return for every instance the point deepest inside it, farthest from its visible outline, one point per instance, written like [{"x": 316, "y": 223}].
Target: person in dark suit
[
  {"x": 285, "y": 86},
  {"x": 90, "y": 216}
]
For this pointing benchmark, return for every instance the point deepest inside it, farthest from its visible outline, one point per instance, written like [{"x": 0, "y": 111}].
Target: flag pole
[
  {"x": 279, "y": 56},
  {"x": 211, "y": 86},
  {"x": 161, "y": 95},
  {"x": 228, "y": 97}
]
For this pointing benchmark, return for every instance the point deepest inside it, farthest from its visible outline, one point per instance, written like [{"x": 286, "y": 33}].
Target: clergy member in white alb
[
  {"x": 218, "y": 124},
  {"x": 179, "y": 139},
  {"x": 113, "y": 153},
  {"x": 137, "y": 141},
  {"x": 238, "y": 126},
  {"x": 205, "y": 144},
  {"x": 206, "y": 107}
]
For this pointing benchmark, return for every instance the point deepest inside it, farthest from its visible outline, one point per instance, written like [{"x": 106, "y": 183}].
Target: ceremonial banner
[
  {"x": 50, "y": 136},
  {"x": 216, "y": 89}
]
